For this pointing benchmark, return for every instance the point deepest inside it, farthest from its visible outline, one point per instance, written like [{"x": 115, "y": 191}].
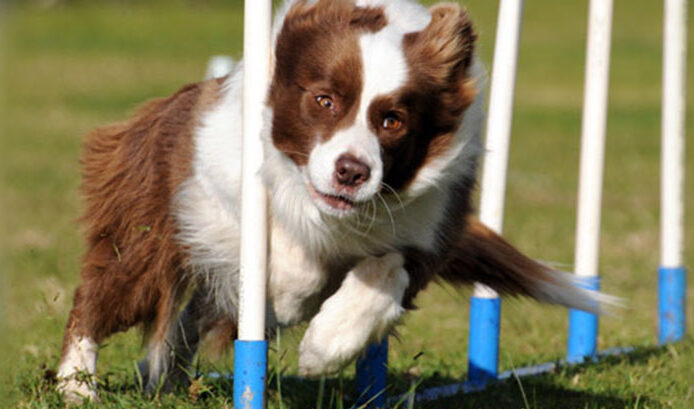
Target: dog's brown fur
[{"x": 132, "y": 269}]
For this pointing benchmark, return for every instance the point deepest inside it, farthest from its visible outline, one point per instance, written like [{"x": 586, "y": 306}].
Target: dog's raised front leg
[
  {"x": 363, "y": 309},
  {"x": 296, "y": 279}
]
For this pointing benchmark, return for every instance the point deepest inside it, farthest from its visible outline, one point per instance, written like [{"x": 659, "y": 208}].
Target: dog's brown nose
[{"x": 350, "y": 171}]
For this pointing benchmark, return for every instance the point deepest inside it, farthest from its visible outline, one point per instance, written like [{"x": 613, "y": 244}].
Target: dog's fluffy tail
[{"x": 484, "y": 256}]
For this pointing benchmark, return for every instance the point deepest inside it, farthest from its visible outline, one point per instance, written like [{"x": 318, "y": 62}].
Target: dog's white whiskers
[
  {"x": 372, "y": 202},
  {"x": 395, "y": 193},
  {"x": 359, "y": 222},
  {"x": 390, "y": 214}
]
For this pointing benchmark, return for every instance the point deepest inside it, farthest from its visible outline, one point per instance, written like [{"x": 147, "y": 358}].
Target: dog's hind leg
[
  {"x": 364, "y": 308},
  {"x": 95, "y": 317},
  {"x": 169, "y": 360},
  {"x": 77, "y": 366},
  {"x": 111, "y": 299},
  {"x": 96, "y": 314}
]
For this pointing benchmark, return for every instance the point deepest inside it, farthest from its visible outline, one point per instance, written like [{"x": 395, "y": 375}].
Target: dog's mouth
[{"x": 336, "y": 202}]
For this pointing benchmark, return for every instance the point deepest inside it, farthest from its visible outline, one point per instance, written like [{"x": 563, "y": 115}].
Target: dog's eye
[
  {"x": 391, "y": 123},
  {"x": 325, "y": 101}
]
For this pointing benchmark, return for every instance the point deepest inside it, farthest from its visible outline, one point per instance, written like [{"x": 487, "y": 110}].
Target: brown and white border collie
[{"x": 372, "y": 139}]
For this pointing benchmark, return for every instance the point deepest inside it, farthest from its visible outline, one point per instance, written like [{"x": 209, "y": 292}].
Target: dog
[{"x": 372, "y": 139}]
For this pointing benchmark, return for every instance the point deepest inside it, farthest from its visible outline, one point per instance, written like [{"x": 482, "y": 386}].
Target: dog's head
[{"x": 366, "y": 94}]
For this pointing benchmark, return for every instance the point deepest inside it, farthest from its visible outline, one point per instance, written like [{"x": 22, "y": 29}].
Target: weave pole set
[{"x": 250, "y": 350}]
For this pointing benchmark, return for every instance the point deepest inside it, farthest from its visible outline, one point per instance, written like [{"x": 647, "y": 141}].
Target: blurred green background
[{"x": 68, "y": 66}]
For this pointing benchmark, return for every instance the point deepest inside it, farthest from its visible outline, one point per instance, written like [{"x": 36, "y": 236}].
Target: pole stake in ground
[
  {"x": 371, "y": 376},
  {"x": 583, "y": 328},
  {"x": 483, "y": 358}
]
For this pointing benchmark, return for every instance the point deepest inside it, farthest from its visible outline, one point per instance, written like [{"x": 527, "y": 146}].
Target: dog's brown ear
[
  {"x": 441, "y": 56},
  {"x": 330, "y": 13},
  {"x": 368, "y": 19},
  {"x": 304, "y": 14},
  {"x": 443, "y": 51}
]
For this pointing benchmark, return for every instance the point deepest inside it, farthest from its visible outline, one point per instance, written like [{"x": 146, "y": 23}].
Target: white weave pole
[
  {"x": 672, "y": 274},
  {"x": 485, "y": 304},
  {"x": 250, "y": 350},
  {"x": 582, "y": 325},
  {"x": 593, "y": 138},
  {"x": 673, "y": 137},
  {"x": 256, "y": 75},
  {"x": 498, "y": 136}
]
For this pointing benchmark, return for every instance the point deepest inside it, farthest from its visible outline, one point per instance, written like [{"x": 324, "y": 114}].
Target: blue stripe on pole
[
  {"x": 371, "y": 376},
  {"x": 583, "y": 327},
  {"x": 672, "y": 285},
  {"x": 250, "y": 368},
  {"x": 483, "y": 351}
]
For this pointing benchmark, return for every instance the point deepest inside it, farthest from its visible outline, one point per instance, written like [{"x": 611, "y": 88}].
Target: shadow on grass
[
  {"x": 551, "y": 390},
  {"x": 540, "y": 392},
  {"x": 554, "y": 390}
]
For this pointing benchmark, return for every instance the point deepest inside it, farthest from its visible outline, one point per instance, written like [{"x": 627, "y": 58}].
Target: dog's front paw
[
  {"x": 315, "y": 359},
  {"x": 326, "y": 348},
  {"x": 363, "y": 309},
  {"x": 76, "y": 389},
  {"x": 76, "y": 379}
]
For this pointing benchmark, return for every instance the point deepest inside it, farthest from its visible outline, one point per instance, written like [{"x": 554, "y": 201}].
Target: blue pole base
[
  {"x": 371, "y": 376},
  {"x": 672, "y": 286},
  {"x": 250, "y": 370},
  {"x": 483, "y": 350},
  {"x": 583, "y": 327}
]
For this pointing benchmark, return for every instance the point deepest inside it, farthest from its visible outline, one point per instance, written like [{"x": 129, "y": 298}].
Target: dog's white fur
[{"x": 78, "y": 368}]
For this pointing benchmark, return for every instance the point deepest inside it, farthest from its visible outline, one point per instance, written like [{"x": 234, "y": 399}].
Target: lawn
[{"x": 70, "y": 67}]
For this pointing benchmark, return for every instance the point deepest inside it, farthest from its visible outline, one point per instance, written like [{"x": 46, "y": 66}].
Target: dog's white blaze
[
  {"x": 76, "y": 369},
  {"x": 364, "y": 308},
  {"x": 384, "y": 66},
  {"x": 404, "y": 16}
]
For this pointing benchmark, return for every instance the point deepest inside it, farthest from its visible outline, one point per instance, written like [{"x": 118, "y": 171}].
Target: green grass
[{"x": 69, "y": 68}]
